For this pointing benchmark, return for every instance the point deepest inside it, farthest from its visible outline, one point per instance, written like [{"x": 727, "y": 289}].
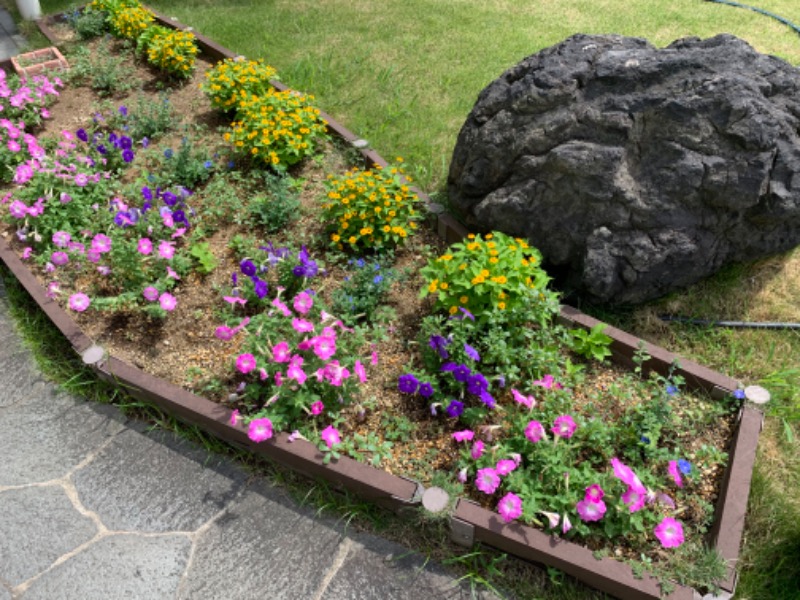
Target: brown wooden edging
[{"x": 528, "y": 543}]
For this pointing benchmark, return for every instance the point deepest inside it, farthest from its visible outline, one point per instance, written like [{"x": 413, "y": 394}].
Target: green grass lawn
[{"x": 404, "y": 75}]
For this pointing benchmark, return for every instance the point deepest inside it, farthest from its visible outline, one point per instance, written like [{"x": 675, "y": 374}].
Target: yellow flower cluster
[
  {"x": 172, "y": 51},
  {"x": 487, "y": 274},
  {"x": 370, "y": 209},
  {"x": 277, "y": 128},
  {"x": 130, "y": 22},
  {"x": 229, "y": 78}
]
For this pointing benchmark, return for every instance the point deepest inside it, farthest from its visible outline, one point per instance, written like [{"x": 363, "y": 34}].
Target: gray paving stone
[
  {"x": 263, "y": 547},
  {"x": 19, "y": 375},
  {"x": 46, "y": 436},
  {"x": 118, "y": 566},
  {"x": 377, "y": 568},
  {"x": 7, "y": 22},
  {"x": 37, "y": 525},
  {"x": 156, "y": 485},
  {"x": 4, "y": 594}
]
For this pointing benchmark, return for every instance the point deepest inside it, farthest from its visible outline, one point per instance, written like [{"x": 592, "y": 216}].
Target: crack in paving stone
[{"x": 338, "y": 562}]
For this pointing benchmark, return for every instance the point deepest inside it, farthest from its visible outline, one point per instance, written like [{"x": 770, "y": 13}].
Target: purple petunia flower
[
  {"x": 82, "y": 135},
  {"x": 248, "y": 267},
  {"x": 439, "y": 343},
  {"x": 461, "y": 373},
  {"x": 455, "y": 409},
  {"x": 471, "y": 352},
  {"x": 408, "y": 384},
  {"x": 425, "y": 390},
  {"x": 477, "y": 384},
  {"x": 127, "y": 155}
]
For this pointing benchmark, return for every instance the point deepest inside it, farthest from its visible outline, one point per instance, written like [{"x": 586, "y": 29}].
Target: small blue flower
[
  {"x": 377, "y": 279},
  {"x": 168, "y": 153},
  {"x": 671, "y": 390},
  {"x": 123, "y": 110},
  {"x": 739, "y": 394},
  {"x": 82, "y": 135},
  {"x": 145, "y": 142},
  {"x": 471, "y": 352},
  {"x": 644, "y": 439},
  {"x": 208, "y": 164},
  {"x": 685, "y": 466}
]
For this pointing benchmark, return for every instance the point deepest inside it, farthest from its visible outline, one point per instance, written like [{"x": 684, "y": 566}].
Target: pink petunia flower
[
  {"x": 260, "y": 430},
  {"x": 510, "y": 507},
  {"x": 167, "y": 301},
  {"x": 150, "y": 293},
  {"x": 464, "y": 436},
  {"x": 487, "y": 480},
  {"x": 234, "y": 418},
  {"x": 505, "y": 466},
  {"x": 81, "y": 179},
  {"x": 18, "y": 210},
  {"x": 374, "y": 359},
  {"x": 302, "y": 326},
  {"x": 590, "y": 510},
  {"x": 330, "y": 435},
  {"x": 625, "y": 474},
  {"x": 360, "y": 371},
  {"x": 295, "y": 371},
  {"x": 324, "y": 347},
  {"x": 547, "y": 382},
  {"x": 477, "y": 449},
  {"x": 669, "y": 532},
  {"x": 566, "y": 524},
  {"x": 172, "y": 274},
  {"x": 59, "y": 258},
  {"x": 61, "y": 239},
  {"x": 79, "y": 302},
  {"x": 673, "y": 470},
  {"x": 528, "y": 401},
  {"x": 27, "y": 252},
  {"x": 594, "y": 493},
  {"x": 145, "y": 246},
  {"x": 166, "y": 249},
  {"x": 234, "y": 300},
  {"x": 281, "y": 352},
  {"x": 317, "y": 407},
  {"x": 101, "y": 243},
  {"x": 635, "y": 498},
  {"x": 534, "y": 431},
  {"x": 462, "y": 475},
  {"x": 246, "y": 363},
  {"x": 564, "y": 426},
  {"x": 303, "y": 302},
  {"x": 284, "y": 310},
  {"x": 553, "y": 518}
]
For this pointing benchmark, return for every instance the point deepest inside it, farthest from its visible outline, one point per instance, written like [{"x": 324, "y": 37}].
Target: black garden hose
[
  {"x": 731, "y": 324},
  {"x": 786, "y": 22}
]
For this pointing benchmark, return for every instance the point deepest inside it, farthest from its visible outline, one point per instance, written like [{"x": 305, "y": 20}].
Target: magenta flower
[
  {"x": 360, "y": 371},
  {"x": 167, "y": 301},
  {"x": 59, "y": 258},
  {"x": 547, "y": 382},
  {"x": 324, "y": 347},
  {"x": 81, "y": 179},
  {"x": 564, "y": 426},
  {"x": 317, "y": 407},
  {"x": 477, "y": 449},
  {"x": 510, "y": 507},
  {"x": 590, "y": 510},
  {"x": 594, "y": 493},
  {"x": 166, "y": 249},
  {"x": 79, "y": 302},
  {"x": 246, "y": 363},
  {"x": 234, "y": 418},
  {"x": 281, "y": 352},
  {"x": 302, "y": 326},
  {"x": 464, "y": 436},
  {"x": 528, "y": 401},
  {"x": 487, "y": 480},
  {"x": 330, "y": 435},
  {"x": 625, "y": 474},
  {"x": 61, "y": 239},
  {"x": 284, "y": 310},
  {"x": 18, "y": 210},
  {"x": 534, "y": 431},
  {"x": 673, "y": 470},
  {"x": 635, "y": 498},
  {"x": 303, "y": 302},
  {"x": 172, "y": 274},
  {"x": 669, "y": 532},
  {"x": 145, "y": 246},
  {"x": 505, "y": 466},
  {"x": 295, "y": 371},
  {"x": 234, "y": 300},
  {"x": 260, "y": 430},
  {"x": 27, "y": 252},
  {"x": 150, "y": 293},
  {"x": 101, "y": 243}
]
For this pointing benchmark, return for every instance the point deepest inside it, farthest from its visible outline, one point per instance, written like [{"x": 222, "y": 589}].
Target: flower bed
[{"x": 491, "y": 415}]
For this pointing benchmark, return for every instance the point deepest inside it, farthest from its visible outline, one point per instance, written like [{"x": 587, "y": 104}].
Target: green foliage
[
  {"x": 370, "y": 210},
  {"x": 591, "y": 344},
  {"x": 275, "y": 209},
  {"x": 90, "y": 23},
  {"x": 362, "y": 291},
  {"x": 104, "y": 73},
  {"x": 206, "y": 261},
  {"x": 189, "y": 166}
]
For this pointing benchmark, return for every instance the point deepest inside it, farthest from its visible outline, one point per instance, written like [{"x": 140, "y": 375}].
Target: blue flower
[
  {"x": 407, "y": 383},
  {"x": 671, "y": 390},
  {"x": 169, "y": 198},
  {"x": 168, "y": 153},
  {"x": 487, "y": 399},
  {"x": 123, "y": 110},
  {"x": 145, "y": 142},
  {"x": 685, "y": 466},
  {"x": 739, "y": 394},
  {"x": 455, "y": 409},
  {"x": 377, "y": 279},
  {"x": 644, "y": 439},
  {"x": 208, "y": 164}
]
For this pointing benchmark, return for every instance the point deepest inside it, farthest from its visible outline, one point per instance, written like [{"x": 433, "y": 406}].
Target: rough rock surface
[{"x": 636, "y": 170}]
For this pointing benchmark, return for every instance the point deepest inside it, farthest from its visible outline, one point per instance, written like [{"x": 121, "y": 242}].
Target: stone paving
[{"x": 95, "y": 506}]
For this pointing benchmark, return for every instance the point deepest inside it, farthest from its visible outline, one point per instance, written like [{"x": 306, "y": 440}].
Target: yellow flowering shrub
[
  {"x": 372, "y": 209},
  {"x": 170, "y": 50},
  {"x": 229, "y": 78},
  {"x": 495, "y": 273},
  {"x": 276, "y": 128},
  {"x": 112, "y": 6},
  {"x": 130, "y": 22}
]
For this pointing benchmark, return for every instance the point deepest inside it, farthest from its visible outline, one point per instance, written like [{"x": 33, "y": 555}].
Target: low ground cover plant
[{"x": 348, "y": 319}]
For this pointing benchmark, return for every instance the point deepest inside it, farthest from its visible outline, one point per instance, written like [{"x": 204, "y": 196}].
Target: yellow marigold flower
[
  {"x": 484, "y": 273},
  {"x": 493, "y": 260},
  {"x": 500, "y": 279},
  {"x": 471, "y": 236},
  {"x": 433, "y": 285},
  {"x": 473, "y": 246},
  {"x": 493, "y": 252},
  {"x": 501, "y": 305},
  {"x": 463, "y": 299},
  {"x": 453, "y": 310},
  {"x": 443, "y": 285},
  {"x": 462, "y": 266},
  {"x": 524, "y": 262},
  {"x": 386, "y": 229},
  {"x": 352, "y": 239},
  {"x": 490, "y": 244},
  {"x": 501, "y": 295},
  {"x": 489, "y": 236},
  {"x": 335, "y": 237},
  {"x": 477, "y": 280},
  {"x": 446, "y": 257}
]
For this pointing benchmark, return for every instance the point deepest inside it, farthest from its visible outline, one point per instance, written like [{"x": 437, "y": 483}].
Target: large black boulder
[{"x": 636, "y": 170}]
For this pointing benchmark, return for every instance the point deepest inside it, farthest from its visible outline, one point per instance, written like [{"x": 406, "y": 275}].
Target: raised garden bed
[
  {"x": 39, "y": 62},
  {"x": 470, "y": 522}
]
